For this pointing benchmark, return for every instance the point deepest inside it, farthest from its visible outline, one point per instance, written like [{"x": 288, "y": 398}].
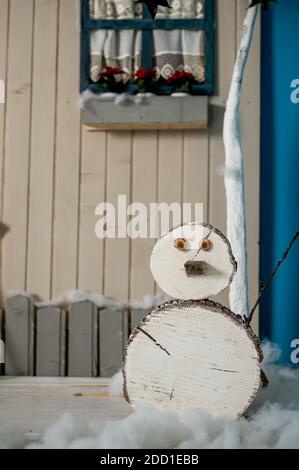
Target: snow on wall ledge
[{"x": 101, "y": 301}]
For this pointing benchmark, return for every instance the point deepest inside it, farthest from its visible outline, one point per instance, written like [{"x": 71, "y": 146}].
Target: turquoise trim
[
  {"x": 85, "y": 47},
  {"x": 145, "y": 24},
  {"x": 147, "y": 42}
]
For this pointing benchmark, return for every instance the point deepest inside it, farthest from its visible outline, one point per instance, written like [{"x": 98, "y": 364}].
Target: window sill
[{"x": 167, "y": 112}]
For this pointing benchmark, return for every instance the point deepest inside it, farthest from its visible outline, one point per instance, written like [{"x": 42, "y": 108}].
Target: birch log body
[
  {"x": 193, "y": 354},
  {"x": 234, "y": 172},
  {"x": 169, "y": 265}
]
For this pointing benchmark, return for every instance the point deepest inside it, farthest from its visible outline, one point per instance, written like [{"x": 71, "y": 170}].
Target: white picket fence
[{"x": 81, "y": 340}]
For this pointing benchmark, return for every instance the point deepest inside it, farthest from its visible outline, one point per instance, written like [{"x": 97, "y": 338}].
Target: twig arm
[{"x": 284, "y": 256}]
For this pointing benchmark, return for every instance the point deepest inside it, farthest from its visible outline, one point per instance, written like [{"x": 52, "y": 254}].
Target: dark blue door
[{"x": 280, "y": 174}]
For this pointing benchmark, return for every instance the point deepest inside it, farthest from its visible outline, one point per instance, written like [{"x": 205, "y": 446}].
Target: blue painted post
[{"x": 280, "y": 176}]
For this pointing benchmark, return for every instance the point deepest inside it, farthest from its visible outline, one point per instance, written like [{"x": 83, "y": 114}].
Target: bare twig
[
  {"x": 200, "y": 247},
  {"x": 284, "y": 256},
  {"x": 264, "y": 379}
]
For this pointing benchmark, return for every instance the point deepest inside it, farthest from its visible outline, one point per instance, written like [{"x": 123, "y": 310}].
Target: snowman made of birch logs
[{"x": 193, "y": 353}]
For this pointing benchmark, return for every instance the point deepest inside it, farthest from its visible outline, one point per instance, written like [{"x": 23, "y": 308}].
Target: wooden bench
[{"x": 31, "y": 404}]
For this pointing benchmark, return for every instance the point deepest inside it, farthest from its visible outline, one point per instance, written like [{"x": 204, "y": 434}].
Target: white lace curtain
[
  {"x": 121, "y": 9},
  {"x": 111, "y": 48},
  {"x": 172, "y": 50}
]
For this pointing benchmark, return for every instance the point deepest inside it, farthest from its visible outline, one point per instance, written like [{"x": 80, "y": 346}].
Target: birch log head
[
  {"x": 193, "y": 261},
  {"x": 193, "y": 354}
]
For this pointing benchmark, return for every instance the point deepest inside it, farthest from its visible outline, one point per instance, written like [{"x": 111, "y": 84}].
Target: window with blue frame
[{"x": 122, "y": 47}]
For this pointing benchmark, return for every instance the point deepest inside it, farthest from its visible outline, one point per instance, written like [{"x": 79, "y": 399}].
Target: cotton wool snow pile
[
  {"x": 272, "y": 422},
  {"x": 75, "y": 296}
]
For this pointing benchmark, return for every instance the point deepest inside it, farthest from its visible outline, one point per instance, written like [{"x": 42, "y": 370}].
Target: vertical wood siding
[{"x": 53, "y": 173}]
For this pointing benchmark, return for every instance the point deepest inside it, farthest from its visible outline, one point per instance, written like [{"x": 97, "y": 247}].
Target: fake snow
[
  {"x": 272, "y": 423},
  {"x": 66, "y": 299},
  {"x": 119, "y": 99}
]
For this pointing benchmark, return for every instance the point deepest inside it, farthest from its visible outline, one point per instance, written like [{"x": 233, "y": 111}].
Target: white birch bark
[
  {"x": 234, "y": 172},
  {"x": 193, "y": 354},
  {"x": 168, "y": 265}
]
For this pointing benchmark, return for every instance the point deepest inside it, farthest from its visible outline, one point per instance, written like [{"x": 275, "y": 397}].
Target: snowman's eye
[
  {"x": 180, "y": 244},
  {"x": 206, "y": 245}
]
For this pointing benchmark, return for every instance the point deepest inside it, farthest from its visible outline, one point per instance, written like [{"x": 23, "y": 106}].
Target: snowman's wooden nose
[{"x": 195, "y": 268}]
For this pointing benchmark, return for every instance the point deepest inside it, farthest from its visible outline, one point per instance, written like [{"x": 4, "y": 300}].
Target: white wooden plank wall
[{"x": 53, "y": 173}]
